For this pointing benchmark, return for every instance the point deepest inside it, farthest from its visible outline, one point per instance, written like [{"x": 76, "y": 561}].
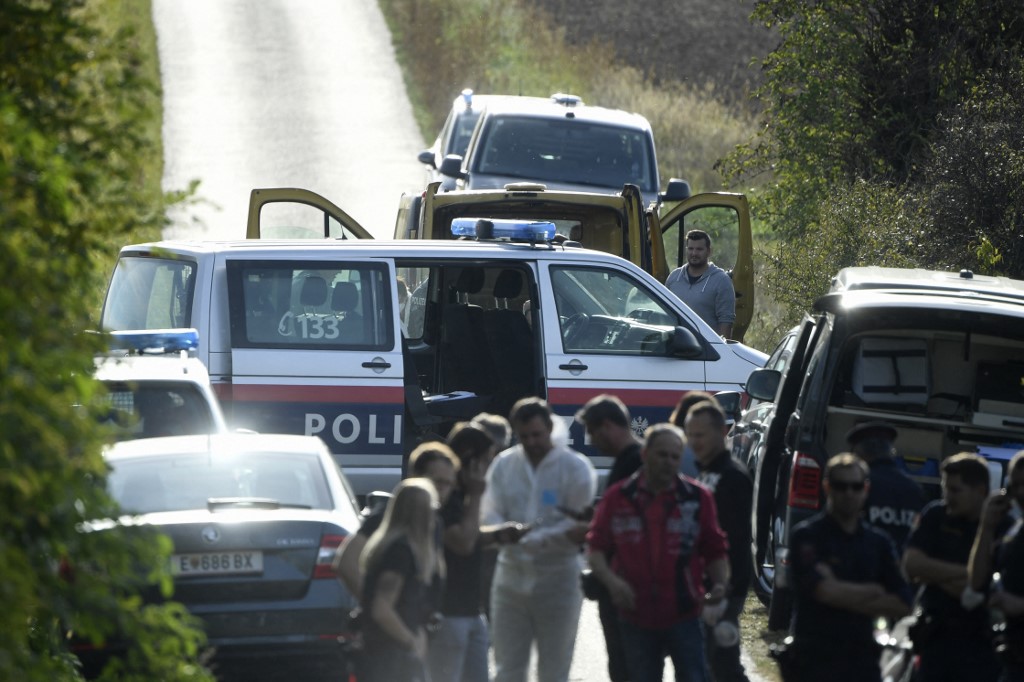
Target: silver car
[{"x": 255, "y": 521}]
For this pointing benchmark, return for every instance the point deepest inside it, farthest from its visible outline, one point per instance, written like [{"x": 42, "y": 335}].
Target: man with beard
[
  {"x": 536, "y": 595},
  {"x": 703, "y": 286}
]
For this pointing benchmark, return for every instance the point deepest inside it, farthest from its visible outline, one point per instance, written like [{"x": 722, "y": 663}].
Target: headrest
[
  {"x": 345, "y": 297},
  {"x": 314, "y": 291},
  {"x": 509, "y": 284},
  {"x": 470, "y": 281}
]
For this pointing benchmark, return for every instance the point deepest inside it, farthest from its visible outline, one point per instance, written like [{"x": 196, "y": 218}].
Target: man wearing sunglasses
[{"x": 845, "y": 575}]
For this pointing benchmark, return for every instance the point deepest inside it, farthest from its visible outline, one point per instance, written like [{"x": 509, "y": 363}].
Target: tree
[
  {"x": 71, "y": 100},
  {"x": 856, "y": 93}
]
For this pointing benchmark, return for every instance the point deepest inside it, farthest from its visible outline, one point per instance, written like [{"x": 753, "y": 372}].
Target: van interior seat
[
  {"x": 510, "y": 340},
  {"x": 345, "y": 301},
  {"x": 466, "y": 361},
  {"x": 314, "y": 292}
]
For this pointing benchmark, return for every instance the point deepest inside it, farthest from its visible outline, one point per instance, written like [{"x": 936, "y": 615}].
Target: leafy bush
[{"x": 72, "y": 105}]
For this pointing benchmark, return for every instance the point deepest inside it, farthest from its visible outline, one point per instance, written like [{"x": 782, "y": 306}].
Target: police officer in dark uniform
[
  {"x": 845, "y": 575},
  {"x": 895, "y": 499},
  {"x": 953, "y": 636}
]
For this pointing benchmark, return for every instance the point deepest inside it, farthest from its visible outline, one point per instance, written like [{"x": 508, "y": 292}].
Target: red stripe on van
[
  {"x": 631, "y": 397},
  {"x": 317, "y": 394}
]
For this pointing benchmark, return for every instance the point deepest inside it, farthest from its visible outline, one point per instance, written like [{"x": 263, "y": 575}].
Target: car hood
[{"x": 486, "y": 181}]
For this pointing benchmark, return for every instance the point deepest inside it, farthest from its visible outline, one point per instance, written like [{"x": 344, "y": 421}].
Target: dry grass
[{"x": 510, "y": 46}]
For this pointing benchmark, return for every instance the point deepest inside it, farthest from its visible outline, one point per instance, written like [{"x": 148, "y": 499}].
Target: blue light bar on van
[
  {"x": 515, "y": 230},
  {"x": 156, "y": 340}
]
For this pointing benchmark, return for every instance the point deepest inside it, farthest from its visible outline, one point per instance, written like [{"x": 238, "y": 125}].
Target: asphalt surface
[
  {"x": 295, "y": 93},
  {"x": 282, "y": 93}
]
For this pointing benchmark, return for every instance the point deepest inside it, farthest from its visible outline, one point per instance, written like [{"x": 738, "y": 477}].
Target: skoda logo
[{"x": 210, "y": 535}]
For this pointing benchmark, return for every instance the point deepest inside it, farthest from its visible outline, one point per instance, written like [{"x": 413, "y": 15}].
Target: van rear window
[
  {"x": 149, "y": 293},
  {"x": 323, "y": 305}
]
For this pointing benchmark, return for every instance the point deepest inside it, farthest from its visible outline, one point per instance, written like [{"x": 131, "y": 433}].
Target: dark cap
[{"x": 872, "y": 429}]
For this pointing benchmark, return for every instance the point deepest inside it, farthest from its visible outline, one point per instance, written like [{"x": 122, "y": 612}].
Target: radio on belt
[{"x": 514, "y": 230}]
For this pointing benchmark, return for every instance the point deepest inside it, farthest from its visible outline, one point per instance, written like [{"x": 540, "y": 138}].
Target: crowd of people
[{"x": 483, "y": 543}]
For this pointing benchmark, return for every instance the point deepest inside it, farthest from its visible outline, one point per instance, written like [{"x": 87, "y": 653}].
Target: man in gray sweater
[{"x": 703, "y": 286}]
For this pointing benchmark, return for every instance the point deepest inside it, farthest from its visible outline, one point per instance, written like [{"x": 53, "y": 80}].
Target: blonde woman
[{"x": 399, "y": 563}]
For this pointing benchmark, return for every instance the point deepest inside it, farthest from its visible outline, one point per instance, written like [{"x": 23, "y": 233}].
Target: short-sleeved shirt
[
  {"x": 414, "y": 602},
  {"x": 463, "y": 580},
  {"x": 947, "y": 538},
  {"x": 894, "y": 500},
  {"x": 370, "y": 525},
  {"x": 865, "y": 556}
]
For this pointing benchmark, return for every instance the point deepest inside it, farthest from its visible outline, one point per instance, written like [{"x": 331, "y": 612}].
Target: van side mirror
[
  {"x": 683, "y": 344},
  {"x": 762, "y": 384},
  {"x": 677, "y": 190},
  {"x": 427, "y": 157},
  {"x": 452, "y": 166},
  {"x": 730, "y": 404}
]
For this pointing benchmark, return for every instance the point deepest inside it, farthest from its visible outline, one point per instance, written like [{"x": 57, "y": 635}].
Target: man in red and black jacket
[{"x": 661, "y": 529}]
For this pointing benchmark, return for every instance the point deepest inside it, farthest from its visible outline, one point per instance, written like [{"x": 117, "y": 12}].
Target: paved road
[
  {"x": 278, "y": 93},
  {"x": 301, "y": 93}
]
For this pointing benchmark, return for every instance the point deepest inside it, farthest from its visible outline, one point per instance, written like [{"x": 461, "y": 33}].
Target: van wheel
[{"x": 779, "y": 609}]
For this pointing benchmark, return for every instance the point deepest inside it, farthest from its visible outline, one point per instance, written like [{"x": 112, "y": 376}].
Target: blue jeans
[
  {"x": 645, "y": 651},
  {"x": 458, "y": 650}
]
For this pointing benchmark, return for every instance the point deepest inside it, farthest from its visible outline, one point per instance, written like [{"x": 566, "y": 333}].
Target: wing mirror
[
  {"x": 762, "y": 384},
  {"x": 683, "y": 344},
  {"x": 730, "y": 403},
  {"x": 427, "y": 157},
  {"x": 452, "y": 166}
]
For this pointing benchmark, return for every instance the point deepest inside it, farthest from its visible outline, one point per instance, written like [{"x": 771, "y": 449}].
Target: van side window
[
  {"x": 605, "y": 311},
  {"x": 150, "y": 293},
  {"x": 323, "y": 305}
]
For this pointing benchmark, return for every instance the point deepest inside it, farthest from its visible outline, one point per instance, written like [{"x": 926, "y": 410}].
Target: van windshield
[
  {"x": 149, "y": 293},
  {"x": 563, "y": 150}
]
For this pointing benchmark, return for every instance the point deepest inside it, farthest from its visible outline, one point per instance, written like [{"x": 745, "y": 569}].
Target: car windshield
[
  {"x": 178, "y": 482},
  {"x": 565, "y": 150}
]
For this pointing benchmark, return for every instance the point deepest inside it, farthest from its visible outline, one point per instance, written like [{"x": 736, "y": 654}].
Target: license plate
[{"x": 217, "y": 563}]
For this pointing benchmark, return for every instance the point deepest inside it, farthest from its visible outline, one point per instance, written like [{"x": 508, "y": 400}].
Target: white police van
[
  {"x": 155, "y": 386},
  {"x": 309, "y": 336}
]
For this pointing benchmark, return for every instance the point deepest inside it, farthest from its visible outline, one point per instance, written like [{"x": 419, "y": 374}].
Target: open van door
[
  {"x": 726, "y": 218},
  {"x": 292, "y": 213}
]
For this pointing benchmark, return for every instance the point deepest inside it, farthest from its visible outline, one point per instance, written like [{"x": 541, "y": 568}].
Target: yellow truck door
[{"x": 292, "y": 213}]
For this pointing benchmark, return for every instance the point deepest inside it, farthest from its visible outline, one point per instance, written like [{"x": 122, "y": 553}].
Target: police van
[
  {"x": 311, "y": 337},
  {"x": 155, "y": 386}
]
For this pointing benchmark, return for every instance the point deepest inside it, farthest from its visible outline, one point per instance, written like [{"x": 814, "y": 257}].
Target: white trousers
[{"x": 546, "y": 613}]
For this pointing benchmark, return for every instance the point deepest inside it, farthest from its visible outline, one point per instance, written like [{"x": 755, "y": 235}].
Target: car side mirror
[
  {"x": 452, "y": 166},
  {"x": 427, "y": 157},
  {"x": 730, "y": 401},
  {"x": 677, "y": 190},
  {"x": 683, "y": 344},
  {"x": 763, "y": 384}
]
